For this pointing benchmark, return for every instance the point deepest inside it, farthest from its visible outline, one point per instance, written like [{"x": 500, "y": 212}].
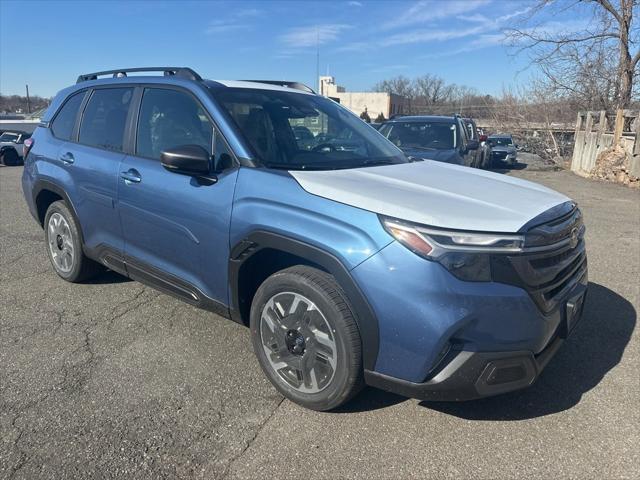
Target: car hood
[
  {"x": 436, "y": 194},
  {"x": 447, "y": 156}
]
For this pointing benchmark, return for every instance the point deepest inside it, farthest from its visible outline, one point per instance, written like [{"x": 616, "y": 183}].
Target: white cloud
[
  {"x": 478, "y": 43},
  {"x": 476, "y": 17},
  {"x": 428, "y": 11},
  {"x": 430, "y": 35},
  {"x": 509, "y": 16},
  {"x": 354, "y": 4},
  {"x": 247, "y": 12},
  {"x": 559, "y": 29},
  {"x": 222, "y": 26},
  {"x": 483, "y": 29},
  {"x": 355, "y": 47},
  {"x": 232, "y": 22},
  {"x": 310, "y": 36},
  {"x": 389, "y": 68}
]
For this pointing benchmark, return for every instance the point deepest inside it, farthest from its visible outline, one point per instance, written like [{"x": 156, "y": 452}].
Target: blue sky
[{"x": 47, "y": 44}]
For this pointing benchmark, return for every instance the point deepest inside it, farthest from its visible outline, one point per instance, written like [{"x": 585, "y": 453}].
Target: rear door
[
  {"x": 94, "y": 161},
  {"x": 176, "y": 227}
]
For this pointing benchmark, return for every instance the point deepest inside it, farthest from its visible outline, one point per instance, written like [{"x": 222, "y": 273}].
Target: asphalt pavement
[{"x": 113, "y": 379}]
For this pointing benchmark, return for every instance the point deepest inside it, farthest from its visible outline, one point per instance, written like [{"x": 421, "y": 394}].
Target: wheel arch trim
[
  {"x": 259, "y": 240},
  {"x": 40, "y": 185}
]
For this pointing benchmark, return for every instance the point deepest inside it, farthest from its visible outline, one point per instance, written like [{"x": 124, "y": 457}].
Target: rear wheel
[
  {"x": 64, "y": 245},
  {"x": 10, "y": 157},
  {"x": 306, "y": 339}
]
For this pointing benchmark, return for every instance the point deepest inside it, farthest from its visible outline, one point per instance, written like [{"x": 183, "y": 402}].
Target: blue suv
[{"x": 350, "y": 263}]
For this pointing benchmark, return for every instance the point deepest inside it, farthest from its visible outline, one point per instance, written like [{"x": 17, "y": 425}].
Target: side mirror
[
  {"x": 186, "y": 159},
  {"x": 473, "y": 145}
]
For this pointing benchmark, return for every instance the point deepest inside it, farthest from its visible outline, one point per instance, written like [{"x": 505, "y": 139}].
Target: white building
[{"x": 373, "y": 102}]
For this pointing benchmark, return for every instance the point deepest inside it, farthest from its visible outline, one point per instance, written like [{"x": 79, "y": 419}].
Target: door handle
[
  {"x": 67, "y": 158},
  {"x": 131, "y": 176}
]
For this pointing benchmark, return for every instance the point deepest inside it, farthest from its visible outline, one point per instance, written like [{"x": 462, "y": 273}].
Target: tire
[
  {"x": 10, "y": 158},
  {"x": 64, "y": 245},
  {"x": 312, "y": 354}
]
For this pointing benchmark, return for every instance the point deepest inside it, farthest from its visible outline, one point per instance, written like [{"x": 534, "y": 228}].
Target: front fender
[{"x": 272, "y": 211}]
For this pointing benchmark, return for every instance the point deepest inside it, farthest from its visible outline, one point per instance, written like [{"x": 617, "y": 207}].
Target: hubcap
[
  {"x": 298, "y": 342},
  {"x": 60, "y": 243}
]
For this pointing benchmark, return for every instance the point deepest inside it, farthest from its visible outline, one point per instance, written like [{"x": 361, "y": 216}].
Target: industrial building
[{"x": 373, "y": 103}]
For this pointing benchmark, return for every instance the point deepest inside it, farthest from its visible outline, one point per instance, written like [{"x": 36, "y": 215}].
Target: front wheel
[{"x": 306, "y": 339}]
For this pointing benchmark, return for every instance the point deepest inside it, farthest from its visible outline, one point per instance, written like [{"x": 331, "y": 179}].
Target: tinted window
[
  {"x": 9, "y": 137},
  {"x": 170, "y": 118},
  {"x": 62, "y": 126},
  {"x": 473, "y": 133},
  {"x": 104, "y": 118},
  {"x": 222, "y": 156},
  {"x": 421, "y": 135},
  {"x": 501, "y": 141}
]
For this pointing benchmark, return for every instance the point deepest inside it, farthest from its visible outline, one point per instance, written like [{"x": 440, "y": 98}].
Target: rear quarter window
[{"x": 65, "y": 119}]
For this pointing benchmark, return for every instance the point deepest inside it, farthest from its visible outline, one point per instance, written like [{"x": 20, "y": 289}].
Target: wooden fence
[{"x": 598, "y": 131}]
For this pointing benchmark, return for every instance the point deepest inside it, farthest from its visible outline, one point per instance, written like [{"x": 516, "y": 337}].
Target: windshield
[
  {"x": 298, "y": 131},
  {"x": 501, "y": 141},
  {"x": 421, "y": 135},
  {"x": 9, "y": 137}
]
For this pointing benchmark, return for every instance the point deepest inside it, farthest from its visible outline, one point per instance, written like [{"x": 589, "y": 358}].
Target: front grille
[
  {"x": 499, "y": 155},
  {"x": 551, "y": 264}
]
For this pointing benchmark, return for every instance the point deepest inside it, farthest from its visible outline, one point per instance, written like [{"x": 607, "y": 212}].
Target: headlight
[{"x": 464, "y": 254}]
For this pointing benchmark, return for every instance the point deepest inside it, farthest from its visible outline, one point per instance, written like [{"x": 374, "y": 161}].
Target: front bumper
[
  {"x": 468, "y": 375},
  {"x": 445, "y": 339}
]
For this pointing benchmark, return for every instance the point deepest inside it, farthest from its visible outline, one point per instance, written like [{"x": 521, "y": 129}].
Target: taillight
[
  {"x": 26, "y": 147},
  {"x": 483, "y": 138}
]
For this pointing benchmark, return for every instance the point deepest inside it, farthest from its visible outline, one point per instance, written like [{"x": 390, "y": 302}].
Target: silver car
[{"x": 503, "y": 149}]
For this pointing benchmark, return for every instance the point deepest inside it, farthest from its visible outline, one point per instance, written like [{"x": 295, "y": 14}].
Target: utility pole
[
  {"x": 28, "y": 100},
  {"x": 318, "y": 60}
]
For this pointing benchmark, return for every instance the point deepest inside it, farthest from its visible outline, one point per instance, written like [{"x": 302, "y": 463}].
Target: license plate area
[{"x": 573, "y": 313}]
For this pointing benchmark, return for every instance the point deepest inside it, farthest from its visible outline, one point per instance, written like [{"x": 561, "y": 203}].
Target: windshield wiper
[
  {"x": 419, "y": 148},
  {"x": 378, "y": 162}
]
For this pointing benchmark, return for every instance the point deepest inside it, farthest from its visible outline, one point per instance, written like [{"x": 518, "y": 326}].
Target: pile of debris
[{"x": 613, "y": 165}]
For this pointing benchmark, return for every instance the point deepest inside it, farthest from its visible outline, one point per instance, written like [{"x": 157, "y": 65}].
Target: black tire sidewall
[
  {"x": 10, "y": 158},
  {"x": 338, "y": 391},
  {"x": 61, "y": 208}
]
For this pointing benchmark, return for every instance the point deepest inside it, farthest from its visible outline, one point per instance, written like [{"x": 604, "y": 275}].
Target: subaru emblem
[{"x": 573, "y": 240}]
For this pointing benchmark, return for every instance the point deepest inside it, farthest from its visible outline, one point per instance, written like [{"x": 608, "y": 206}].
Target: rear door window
[
  {"x": 65, "y": 120},
  {"x": 104, "y": 119}
]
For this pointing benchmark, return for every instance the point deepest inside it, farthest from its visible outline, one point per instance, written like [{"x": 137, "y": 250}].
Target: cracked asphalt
[{"x": 113, "y": 379}]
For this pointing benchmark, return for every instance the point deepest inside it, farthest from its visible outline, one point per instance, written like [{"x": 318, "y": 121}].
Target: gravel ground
[{"x": 112, "y": 379}]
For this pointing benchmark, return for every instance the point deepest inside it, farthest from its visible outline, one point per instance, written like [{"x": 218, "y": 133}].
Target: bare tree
[
  {"x": 432, "y": 89},
  {"x": 578, "y": 62},
  {"x": 399, "y": 85}
]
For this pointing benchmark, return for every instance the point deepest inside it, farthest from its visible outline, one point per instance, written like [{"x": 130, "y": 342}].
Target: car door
[
  {"x": 93, "y": 160},
  {"x": 176, "y": 227}
]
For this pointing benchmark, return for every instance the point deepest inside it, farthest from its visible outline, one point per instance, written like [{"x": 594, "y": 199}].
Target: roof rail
[
  {"x": 282, "y": 83},
  {"x": 183, "y": 72}
]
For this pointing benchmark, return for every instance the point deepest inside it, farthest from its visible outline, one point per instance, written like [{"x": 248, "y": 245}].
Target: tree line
[{"x": 18, "y": 103}]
